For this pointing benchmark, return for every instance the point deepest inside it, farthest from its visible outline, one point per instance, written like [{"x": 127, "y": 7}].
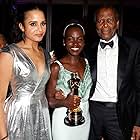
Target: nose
[
  {"x": 75, "y": 42},
  {"x": 40, "y": 28},
  {"x": 105, "y": 24}
]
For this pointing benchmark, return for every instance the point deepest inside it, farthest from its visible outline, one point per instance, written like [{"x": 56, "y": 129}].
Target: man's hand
[{"x": 136, "y": 133}]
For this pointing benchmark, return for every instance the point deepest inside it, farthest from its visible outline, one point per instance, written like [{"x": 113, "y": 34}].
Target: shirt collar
[{"x": 114, "y": 38}]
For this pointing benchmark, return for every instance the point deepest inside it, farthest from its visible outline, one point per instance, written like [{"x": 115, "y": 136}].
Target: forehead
[
  {"x": 73, "y": 29},
  {"x": 106, "y": 12},
  {"x": 34, "y": 14}
]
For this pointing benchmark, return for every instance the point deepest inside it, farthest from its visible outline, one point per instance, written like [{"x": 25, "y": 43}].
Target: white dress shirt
[{"x": 107, "y": 62}]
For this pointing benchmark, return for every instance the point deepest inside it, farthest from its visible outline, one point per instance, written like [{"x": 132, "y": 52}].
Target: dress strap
[
  {"x": 47, "y": 58},
  {"x": 59, "y": 63},
  {"x": 86, "y": 60}
]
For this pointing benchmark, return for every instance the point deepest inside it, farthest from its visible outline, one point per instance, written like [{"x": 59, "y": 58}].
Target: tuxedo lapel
[
  {"x": 122, "y": 62},
  {"x": 92, "y": 59},
  {"x": 93, "y": 62}
]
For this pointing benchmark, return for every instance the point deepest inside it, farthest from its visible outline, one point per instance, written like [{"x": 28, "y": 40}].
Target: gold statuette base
[{"x": 74, "y": 118}]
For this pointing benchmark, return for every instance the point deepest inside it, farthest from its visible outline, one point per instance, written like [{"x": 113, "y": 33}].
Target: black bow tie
[{"x": 103, "y": 44}]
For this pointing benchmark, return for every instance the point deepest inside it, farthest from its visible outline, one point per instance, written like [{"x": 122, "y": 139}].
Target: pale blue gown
[
  {"x": 60, "y": 131},
  {"x": 27, "y": 107}
]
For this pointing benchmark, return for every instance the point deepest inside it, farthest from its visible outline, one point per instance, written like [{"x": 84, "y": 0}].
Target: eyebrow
[{"x": 36, "y": 21}]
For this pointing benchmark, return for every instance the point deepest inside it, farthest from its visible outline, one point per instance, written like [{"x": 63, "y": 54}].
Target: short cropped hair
[{"x": 107, "y": 7}]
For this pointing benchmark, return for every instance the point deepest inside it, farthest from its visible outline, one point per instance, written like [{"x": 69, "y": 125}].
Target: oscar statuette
[{"x": 74, "y": 117}]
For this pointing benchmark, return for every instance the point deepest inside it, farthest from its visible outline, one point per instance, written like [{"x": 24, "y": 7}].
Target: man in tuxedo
[{"x": 115, "y": 69}]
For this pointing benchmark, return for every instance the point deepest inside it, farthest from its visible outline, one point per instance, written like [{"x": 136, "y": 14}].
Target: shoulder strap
[
  {"x": 59, "y": 63},
  {"x": 47, "y": 58},
  {"x": 86, "y": 60}
]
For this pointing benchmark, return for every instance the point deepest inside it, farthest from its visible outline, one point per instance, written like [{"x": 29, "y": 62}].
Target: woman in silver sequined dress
[{"x": 24, "y": 64}]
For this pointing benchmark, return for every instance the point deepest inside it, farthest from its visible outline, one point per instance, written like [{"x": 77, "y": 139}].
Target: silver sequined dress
[{"x": 27, "y": 107}]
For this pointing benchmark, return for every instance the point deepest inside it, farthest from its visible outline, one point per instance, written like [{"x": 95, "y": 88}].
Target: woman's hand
[
  {"x": 72, "y": 101},
  {"x": 59, "y": 95},
  {"x": 53, "y": 56}
]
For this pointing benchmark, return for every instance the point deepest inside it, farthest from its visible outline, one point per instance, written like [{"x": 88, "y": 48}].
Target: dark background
[{"x": 60, "y": 11}]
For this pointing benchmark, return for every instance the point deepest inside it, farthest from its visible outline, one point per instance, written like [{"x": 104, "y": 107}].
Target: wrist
[{"x": 65, "y": 103}]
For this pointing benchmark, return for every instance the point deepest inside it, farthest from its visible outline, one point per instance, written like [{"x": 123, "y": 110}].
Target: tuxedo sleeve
[{"x": 137, "y": 85}]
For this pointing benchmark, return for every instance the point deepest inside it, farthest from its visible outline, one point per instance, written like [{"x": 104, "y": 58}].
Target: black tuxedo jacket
[{"x": 128, "y": 81}]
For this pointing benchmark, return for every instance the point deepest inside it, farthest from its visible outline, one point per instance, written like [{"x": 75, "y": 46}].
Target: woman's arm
[
  {"x": 5, "y": 76},
  {"x": 70, "y": 101}
]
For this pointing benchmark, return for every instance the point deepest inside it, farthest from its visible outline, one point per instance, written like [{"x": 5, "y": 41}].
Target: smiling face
[
  {"x": 74, "y": 40},
  {"x": 34, "y": 26},
  {"x": 107, "y": 23}
]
